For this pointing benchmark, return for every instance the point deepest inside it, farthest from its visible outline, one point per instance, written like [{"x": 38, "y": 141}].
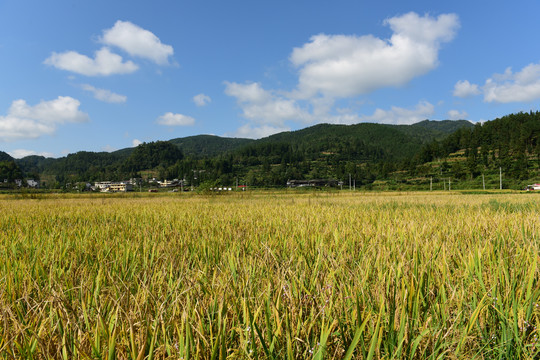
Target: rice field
[{"x": 270, "y": 276}]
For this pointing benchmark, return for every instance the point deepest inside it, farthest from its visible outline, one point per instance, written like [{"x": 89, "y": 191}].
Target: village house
[
  {"x": 33, "y": 183},
  {"x": 120, "y": 187},
  {"x": 109, "y": 186},
  {"x": 169, "y": 183},
  {"x": 102, "y": 185}
]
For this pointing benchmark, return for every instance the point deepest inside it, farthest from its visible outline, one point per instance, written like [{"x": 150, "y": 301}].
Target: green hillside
[
  {"x": 366, "y": 151},
  {"x": 202, "y": 146},
  {"x": 429, "y": 130},
  {"x": 5, "y": 156},
  {"x": 510, "y": 144}
]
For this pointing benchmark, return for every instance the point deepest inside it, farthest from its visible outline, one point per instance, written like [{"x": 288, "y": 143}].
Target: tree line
[{"x": 364, "y": 152}]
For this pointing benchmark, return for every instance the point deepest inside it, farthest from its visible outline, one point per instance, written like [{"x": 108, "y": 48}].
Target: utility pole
[
  {"x": 431, "y": 183},
  {"x": 350, "y": 187},
  {"x": 449, "y": 185},
  {"x": 500, "y": 178},
  {"x": 483, "y": 182}
]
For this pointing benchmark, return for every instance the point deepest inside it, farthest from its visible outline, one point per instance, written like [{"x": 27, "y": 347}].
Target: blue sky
[{"x": 106, "y": 75}]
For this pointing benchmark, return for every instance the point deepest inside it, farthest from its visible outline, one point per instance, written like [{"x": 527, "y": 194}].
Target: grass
[{"x": 270, "y": 276}]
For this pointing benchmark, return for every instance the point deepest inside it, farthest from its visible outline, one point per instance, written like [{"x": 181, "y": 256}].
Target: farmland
[{"x": 270, "y": 276}]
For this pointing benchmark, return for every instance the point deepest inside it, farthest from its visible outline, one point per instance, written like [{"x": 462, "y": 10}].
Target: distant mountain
[
  {"x": 393, "y": 141},
  {"x": 369, "y": 153},
  {"x": 199, "y": 146},
  {"x": 321, "y": 150}
]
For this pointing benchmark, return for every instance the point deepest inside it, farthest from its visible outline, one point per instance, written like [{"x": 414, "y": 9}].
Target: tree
[
  {"x": 9, "y": 171},
  {"x": 149, "y": 155}
]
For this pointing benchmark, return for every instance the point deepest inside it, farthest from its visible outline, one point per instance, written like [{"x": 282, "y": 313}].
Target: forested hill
[
  {"x": 366, "y": 141},
  {"x": 9, "y": 171},
  {"x": 5, "y": 156},
  {"x": 429, "y": 130},
  {"x": 208, "y": 145},
  {"x": 510, "y": 143},
  {"x": 199, "y": 146},
  {"x": 322, "y": 150}
]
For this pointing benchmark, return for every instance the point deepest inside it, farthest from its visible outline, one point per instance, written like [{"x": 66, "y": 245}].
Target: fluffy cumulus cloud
[
  {"x": 465, "y": 89},
  {"x": 171, "y": 119},
  {"x": 29, "y": 122},
  {"x": 104, "y": 63},
  {"x": 457, "y": 115},
  {"x": 201, "y": 99},
  {"x": 402, "y": 116},
  {"x": 137, "y": 41},
  {"x": 105, "y": 95},
  {"x": 264, "y": 106},
  {"x": 136, "y": 142},
  {"x": 334, "y": 67},
  {"x": 522, "y": 86},
  {"x": 20, "y": 153},
  {"x": 344, "y": 66},
  {"x": 124, "y": 35}
]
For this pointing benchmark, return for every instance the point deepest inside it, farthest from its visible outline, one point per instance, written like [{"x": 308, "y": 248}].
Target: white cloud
[
  {"x": 136, "y": 142},
  {"x": 257, "y": 132},
  {"x": 105, "y": 95},
  {"x": 265, "y": 107},
  {"x": 401, "y": 116},
  {"x": 108, "y": 148},
  {"x": 343, "y": 66},
  {"x": 201, "y": 99},
  {"x": 104, "y": 63},
  {"x": 30, "y": 122},
  {"x": 457, "y": 115},
  {"x": 20, "y": 153},
  {"x": 137, "y": 41},
  {"x": 523, "y": 86},
  {"x": 170, "y": 119},
  {"x": 465, "y": 89},
  {"x": 331, "y": 67}
]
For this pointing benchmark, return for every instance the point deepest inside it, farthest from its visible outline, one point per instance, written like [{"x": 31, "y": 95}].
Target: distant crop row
[{"x": 270, "y": 276}]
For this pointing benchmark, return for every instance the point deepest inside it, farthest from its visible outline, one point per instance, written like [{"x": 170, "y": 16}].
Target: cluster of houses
[
  {"x": 110, "y": 186},
  {"x": 169, "y": 183},
  {"x": 128, "y": 185},
  {"x": 29, "y": 182}
]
